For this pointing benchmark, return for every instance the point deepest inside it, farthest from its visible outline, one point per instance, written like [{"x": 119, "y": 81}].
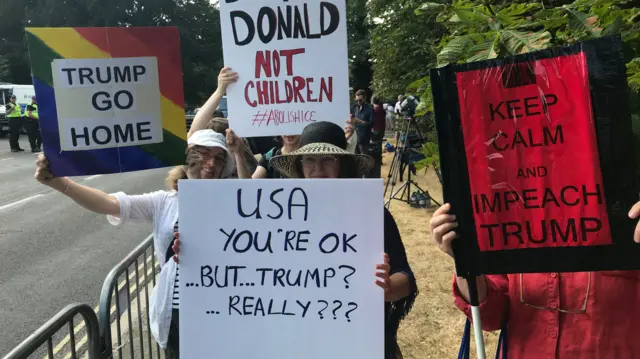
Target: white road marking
[
  {"x": 92, "y": 177},
  {"x": 6, "y": 159},
  {"x": 24, "y": 200}
]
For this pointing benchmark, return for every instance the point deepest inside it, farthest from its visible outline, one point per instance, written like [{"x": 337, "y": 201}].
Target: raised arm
[
  {"x": 90, "y": 198},
  {"x": 207, "y": 111},
  {"x": 633, "y": 214},
  {"x": 119, "y": 207},
  {"x": 236, "y": 147}
]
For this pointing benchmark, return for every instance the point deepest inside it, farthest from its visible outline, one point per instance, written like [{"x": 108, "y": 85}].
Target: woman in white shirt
[{"x": 207, "y": 158}]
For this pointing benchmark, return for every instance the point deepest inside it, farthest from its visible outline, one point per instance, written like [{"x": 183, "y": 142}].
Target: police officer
[
  {"x": 14, "y": 114},
  {"x": 32, "y": 125}
]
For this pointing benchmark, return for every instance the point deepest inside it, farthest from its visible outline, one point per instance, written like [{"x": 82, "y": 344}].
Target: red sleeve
[
  {"x": 495, "y": 305},
  {"x": 379, "y": 119}
]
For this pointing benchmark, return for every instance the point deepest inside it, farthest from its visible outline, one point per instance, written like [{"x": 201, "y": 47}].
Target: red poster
[{"x": 532, "y": 155}]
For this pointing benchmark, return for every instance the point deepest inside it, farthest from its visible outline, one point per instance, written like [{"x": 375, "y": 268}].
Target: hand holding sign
[
  {"x": 442, "y": 225},
  {"x": 634, "y": 213},
  {"x": 176, "y": 247},
  {"x": 226, "y": 77},
  {"x": 43, "y": 175},
  {"x": 234, "y": 143},
  {"x": 383, "y": 281}
]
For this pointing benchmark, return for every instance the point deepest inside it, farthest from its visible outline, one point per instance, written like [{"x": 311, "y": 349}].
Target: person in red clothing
[
  {"x": 379, "y": 120},
  {"x": 554, "y": 315}
]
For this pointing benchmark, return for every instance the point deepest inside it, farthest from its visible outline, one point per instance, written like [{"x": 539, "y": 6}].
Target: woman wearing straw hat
[
  {"x": 207, "y": 158},
  {"x": 322, "y": 154}
]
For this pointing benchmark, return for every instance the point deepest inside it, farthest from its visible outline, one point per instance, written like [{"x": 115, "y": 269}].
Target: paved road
[{"x": 54, "y": 252}]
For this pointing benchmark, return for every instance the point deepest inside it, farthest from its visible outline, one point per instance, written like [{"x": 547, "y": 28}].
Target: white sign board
[
  {"x": 281, "y": 269},
  {"x": 291, "y": 59},
  {"x": 107, "y": 103}
]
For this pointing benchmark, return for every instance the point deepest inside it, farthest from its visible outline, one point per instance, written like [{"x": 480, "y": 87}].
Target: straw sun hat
[{"x": 320, "y": 138}]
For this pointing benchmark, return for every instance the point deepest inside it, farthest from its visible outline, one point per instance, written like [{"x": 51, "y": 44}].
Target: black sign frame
[{"x": 610, "y": 104}]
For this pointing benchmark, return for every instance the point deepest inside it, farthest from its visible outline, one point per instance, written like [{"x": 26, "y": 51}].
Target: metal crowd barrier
[
  {"x": 49, "y": 329},
  {"x": 124, "y": 300},
  {"x": 123, "y": 315}
]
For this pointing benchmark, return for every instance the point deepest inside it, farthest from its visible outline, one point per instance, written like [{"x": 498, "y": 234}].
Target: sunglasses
[
  {"x": 555, "y": 306},
  {"x": 205, "y": 155}
]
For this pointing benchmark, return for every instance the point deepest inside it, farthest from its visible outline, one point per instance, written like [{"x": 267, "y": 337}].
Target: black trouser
[
  {"x": 173, "y": 343},
  {"x": 363, "y": 149},
  {"x": 375, "y": 151},
  {"x": 15, "y": 124},
  {"x": 33, "y": 131}
]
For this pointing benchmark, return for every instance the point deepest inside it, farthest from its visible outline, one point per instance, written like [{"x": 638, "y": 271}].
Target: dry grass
[{"x": 434, "y": 327}]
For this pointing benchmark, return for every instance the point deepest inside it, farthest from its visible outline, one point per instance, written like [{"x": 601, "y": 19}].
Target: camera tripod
[{"x": 402, "y": 161}]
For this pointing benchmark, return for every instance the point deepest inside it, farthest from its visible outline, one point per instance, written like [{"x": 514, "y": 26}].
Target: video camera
[{"x": 409, "y": 106}]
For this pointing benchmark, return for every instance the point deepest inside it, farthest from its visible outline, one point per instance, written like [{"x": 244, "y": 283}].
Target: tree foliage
[
  {"x": 402, "y": 45},
  {"x": 198, "y": 21},
  {"x": 479, "y": 30},
  {"x": 4, "y": 69},
  {"x": 358, "y": 37}
]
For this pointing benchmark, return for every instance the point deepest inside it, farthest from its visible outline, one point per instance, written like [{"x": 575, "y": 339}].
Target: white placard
[
  {"x": 107, "y": 103},
  {"x": 310, "y": 294},
  {"x": 291, "y": 58}
]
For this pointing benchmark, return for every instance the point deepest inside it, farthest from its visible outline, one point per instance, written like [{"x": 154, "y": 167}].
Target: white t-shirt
[
  {"x": 398, "y": 108},
  {"x": 161, "y": 209}
]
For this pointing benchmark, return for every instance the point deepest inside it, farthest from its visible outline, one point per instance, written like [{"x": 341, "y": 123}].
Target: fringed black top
[{"x": 396, "y": 311}]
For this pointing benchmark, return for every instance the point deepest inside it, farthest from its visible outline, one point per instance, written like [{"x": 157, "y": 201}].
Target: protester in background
[
  {"x": 553, "y": 315},
  {"x": 264, "y": 169},
  {"x": 363, "y": 115},
  {"x": 398, "y": 108},
  {"x": 32, "y": 125},
  {"x": 208, "y": 110},
  {"x": 207, "y": 157},
  {"x": 390, "y": 117},
  {"x": 379, "y": 120},
  {"x": 377, "y": 135},
  {"x": 14, "y": 115}
]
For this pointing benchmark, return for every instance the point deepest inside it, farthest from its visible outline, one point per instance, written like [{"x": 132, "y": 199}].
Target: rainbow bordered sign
[{"x": 110, "y": 99}]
